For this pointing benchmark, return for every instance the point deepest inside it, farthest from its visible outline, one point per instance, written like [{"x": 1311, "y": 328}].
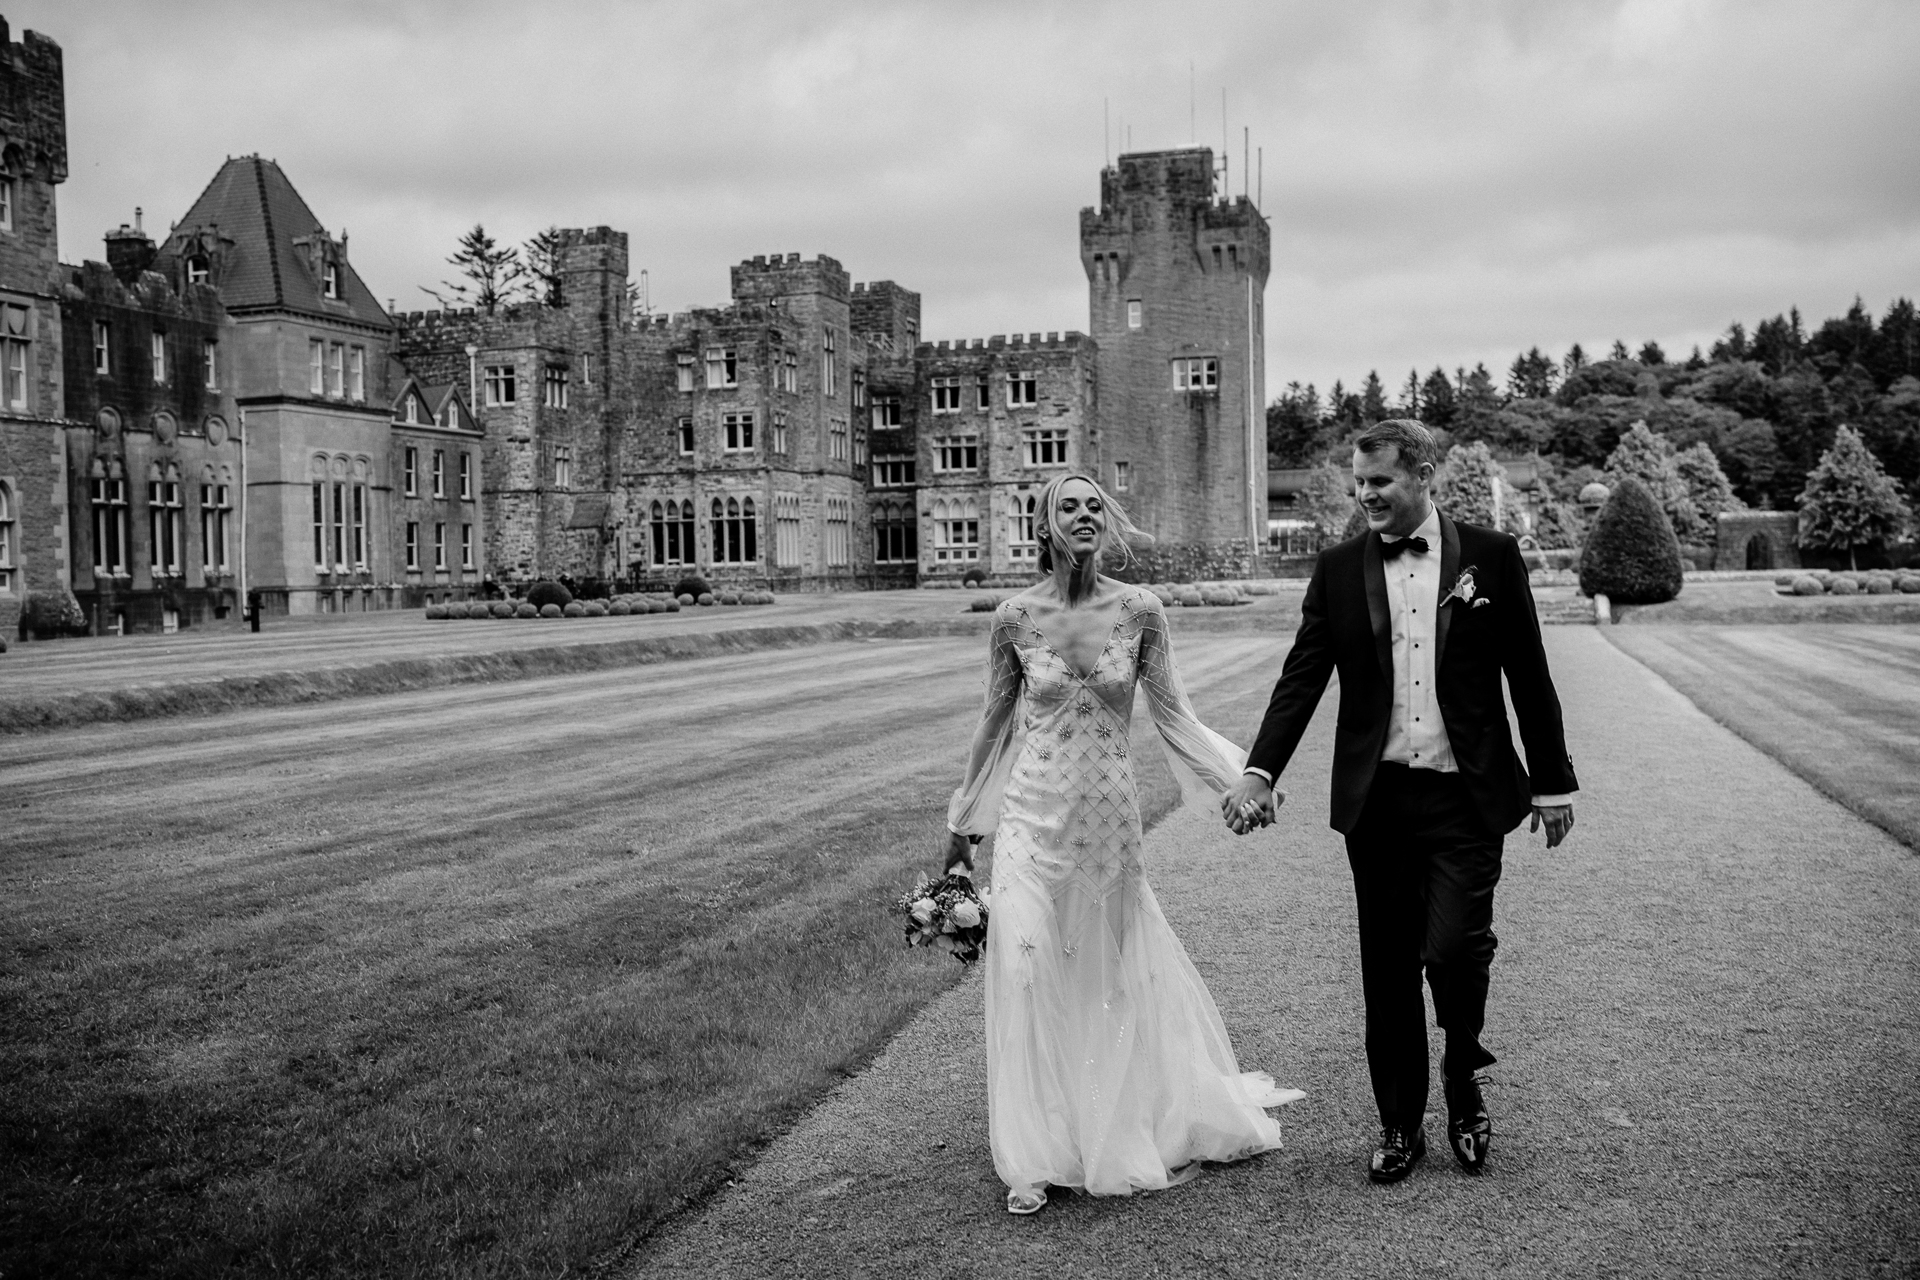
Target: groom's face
[{"x": 1393, "y": 495}]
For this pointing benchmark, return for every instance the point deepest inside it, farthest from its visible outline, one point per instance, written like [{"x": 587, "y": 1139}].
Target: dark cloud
[{"x": 1448, "y": 183}]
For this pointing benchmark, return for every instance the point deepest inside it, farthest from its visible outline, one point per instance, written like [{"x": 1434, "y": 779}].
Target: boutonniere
[{"x": 1465, "y": 590}]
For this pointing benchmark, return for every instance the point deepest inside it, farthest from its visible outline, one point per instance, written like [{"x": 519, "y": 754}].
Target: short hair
[{"x": 1409, "y": 435}]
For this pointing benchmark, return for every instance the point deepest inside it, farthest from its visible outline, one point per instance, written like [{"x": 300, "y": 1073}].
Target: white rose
[
  {"x": 964, "y": 914},
  {"x": 922, "y": 910}
]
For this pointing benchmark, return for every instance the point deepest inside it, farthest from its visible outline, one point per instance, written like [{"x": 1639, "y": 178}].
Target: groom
[{"x": 1420, "y": 616}]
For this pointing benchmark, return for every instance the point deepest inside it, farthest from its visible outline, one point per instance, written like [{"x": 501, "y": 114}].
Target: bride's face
[{"x": 1078, "y": 519}]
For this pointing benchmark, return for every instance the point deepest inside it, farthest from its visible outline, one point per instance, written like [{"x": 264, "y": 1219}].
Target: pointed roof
[{"x": 273, "y": 248}]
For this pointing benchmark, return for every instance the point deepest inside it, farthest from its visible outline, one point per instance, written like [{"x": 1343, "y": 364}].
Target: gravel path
[{"x": 1704, "y": 1004}]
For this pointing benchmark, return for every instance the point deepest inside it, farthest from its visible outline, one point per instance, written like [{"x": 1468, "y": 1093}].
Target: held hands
[
  {"x": 1250, "y": 803},
  {"x": 1558, "y": 819},
  {"x": 959, "y": 853}
]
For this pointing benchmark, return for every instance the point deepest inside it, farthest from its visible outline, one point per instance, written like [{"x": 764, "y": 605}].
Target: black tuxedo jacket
[{"x": 1346, "y": 625}]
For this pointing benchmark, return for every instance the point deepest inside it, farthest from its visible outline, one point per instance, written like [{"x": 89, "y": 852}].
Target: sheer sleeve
[
  {"x": 1216, "y": 759},
  {"x": 975, "y": 806}
]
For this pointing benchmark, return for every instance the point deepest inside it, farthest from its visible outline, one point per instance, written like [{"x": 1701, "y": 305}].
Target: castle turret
[{"x": 1177, "y": 278}]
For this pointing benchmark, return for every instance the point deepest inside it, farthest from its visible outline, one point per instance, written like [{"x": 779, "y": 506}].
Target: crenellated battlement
[
  {"x": 1072, "y": 339},
  {"x": 33, "y": 103}
]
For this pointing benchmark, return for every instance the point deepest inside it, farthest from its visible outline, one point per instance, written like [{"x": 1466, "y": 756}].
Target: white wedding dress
[{"x": 1108, "y": 1067}]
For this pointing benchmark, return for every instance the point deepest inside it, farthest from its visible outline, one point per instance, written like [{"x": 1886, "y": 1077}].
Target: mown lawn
[
  {"x": 1837, "y": 704},
  {"x": 476, "y": 982}
]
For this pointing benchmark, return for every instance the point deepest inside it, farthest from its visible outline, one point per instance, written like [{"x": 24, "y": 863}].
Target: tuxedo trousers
[{"x": 1424, "y": 869}]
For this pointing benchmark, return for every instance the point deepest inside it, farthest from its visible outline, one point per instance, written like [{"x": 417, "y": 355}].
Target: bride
[{"x": 1108, "y": 1067}]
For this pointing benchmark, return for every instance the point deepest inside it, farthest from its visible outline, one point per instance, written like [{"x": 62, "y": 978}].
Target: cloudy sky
[{"x": 1447, "y": 182}]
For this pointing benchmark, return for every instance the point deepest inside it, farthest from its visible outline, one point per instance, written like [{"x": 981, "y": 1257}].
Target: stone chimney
[{"x": 129, "y": 250}]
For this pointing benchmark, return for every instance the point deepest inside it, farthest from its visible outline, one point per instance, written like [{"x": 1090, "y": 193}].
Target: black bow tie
[{"x": 1392, "y": 550}]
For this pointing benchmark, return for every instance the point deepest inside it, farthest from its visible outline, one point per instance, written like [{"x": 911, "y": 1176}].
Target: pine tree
[
  {"x": 1479, "y": 405},
  {"x": 1439, "y": 401},
  {"x": 1531, "y": 377},
  {"x": 1644, "y": 456},
  {"x": 1410, "y": 395},
  {"x": 1619, "y": 351},
  {"x": 1650, "y": 353},
  {"x": 541, "y": 256},
  {"x": 1373, "y": 399},
  {"x": 1733, "y": 347},
  {"x": 492, "y": 274},
  {"x": 1849, "y": 502},
  {"x": 1576, "y": 360}
]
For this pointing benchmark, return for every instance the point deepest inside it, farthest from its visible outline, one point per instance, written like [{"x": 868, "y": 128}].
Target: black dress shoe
[
  {"x": 1401, "y": 1147},
  {"x": 1468, "y": 1128}
]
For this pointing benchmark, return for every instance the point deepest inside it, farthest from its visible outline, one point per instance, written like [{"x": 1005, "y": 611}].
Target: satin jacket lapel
[
  {"x": 1449, "y": 574},
  {"x": 1375, "y": 570}
]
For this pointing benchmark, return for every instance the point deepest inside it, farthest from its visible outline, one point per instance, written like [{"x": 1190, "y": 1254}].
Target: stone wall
[{"x": 1757, "y": 540}]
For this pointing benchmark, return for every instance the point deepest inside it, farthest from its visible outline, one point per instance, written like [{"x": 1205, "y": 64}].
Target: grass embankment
[
  {"x": 1835, "y": 704},
  {"x": 478, "y": 982}
]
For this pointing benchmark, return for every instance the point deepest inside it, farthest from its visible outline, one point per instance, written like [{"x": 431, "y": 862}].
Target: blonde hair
[{"x": 1120, "y": 532}]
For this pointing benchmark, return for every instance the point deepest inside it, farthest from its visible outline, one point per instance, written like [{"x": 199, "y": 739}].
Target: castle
[{"x": 229, "y": 410}]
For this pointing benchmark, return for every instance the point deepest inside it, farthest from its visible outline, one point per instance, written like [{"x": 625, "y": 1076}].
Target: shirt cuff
[
  {"x": 1262, "y": 774},
  {"x": 1552, "y": 802}
]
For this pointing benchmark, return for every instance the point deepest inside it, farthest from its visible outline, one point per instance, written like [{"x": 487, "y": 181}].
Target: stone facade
[
  {"x": 1177, "y": 281},
  {"x": 230, "y": 413},
  {"x": 34, "y": 549},
  {"x": 311, "y": 382},
  {"x": 153, "y": 457},
  {"x": 995, "y": 420}
]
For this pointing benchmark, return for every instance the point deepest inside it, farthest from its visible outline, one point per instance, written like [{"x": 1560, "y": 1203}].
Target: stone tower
[{"x": 1177, "y": 276}]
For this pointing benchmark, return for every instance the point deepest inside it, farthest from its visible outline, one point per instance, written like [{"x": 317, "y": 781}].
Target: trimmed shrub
[
  {"x": 435, "y": 612},
  {"x": 1218, "y": 596},
  {"x": 706, "y": 598},
  {"x": 594, "y": 609},
  {"x": 691, "y": 585},
  {"x": 1879, "y": 585},
  {"x": 50, "y": 613},
  {"x": 1843, "y": 587},
  {"x": 673, "y": 606},
  {"x": 502, "y": 608},
  {"x": 683, "y": 599},
  {"x": 1808, "y": 585},
  {"x": 526, "y": 610},
  {"x": 573, "y": 610},
  {"x": 1165, "y": 595},
  {"x": 1188, "y": 597},
  {"x": 1631, "y": 557},
  {"x": 727, "y": 597},
  {"x": 1785, "y": 579},
  {"x": 973, "y": 577},
  {"x": 1908, "y": 583},
  {"x": 619, "y": 609},
  {"x": 542, "y": 594},
  {"x": 550, "y": 611},
  {"x": 983, "y": 604}
]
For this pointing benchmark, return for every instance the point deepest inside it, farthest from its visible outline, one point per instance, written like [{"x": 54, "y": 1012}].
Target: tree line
[
  {"x": 1767, "y": 404},
  {"x": 1748, "y": 423}
]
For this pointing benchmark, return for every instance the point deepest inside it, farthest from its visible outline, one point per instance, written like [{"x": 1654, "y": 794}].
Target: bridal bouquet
[{"x": 946, "y": 912}]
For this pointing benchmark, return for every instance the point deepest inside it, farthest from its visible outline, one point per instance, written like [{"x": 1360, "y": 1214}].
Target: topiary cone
[{"x": 1631, "y": 557}]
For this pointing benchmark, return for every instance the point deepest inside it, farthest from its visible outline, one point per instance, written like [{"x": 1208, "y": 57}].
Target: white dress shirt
[{"x": 1416, "y": 734}]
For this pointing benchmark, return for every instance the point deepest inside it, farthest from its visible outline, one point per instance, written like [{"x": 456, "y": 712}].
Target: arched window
[
  {"x": 786, "y": 530},
  {"x": 6, "y": 541},
  {"x": 110, "y": 531},
  {"x": 735, "y": 539},
  {"x": 956, "y": 531},
  {"x": 166, "y": 521},
  {"x": 1021, "y": 543},
  {"x": 896, "y": 534}
]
